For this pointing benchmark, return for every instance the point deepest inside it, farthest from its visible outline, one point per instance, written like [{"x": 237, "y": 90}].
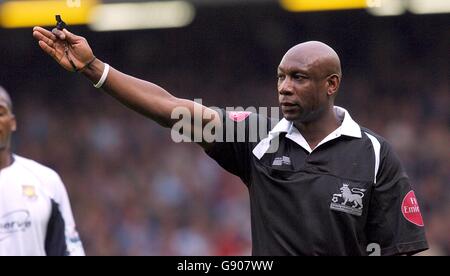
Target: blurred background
[{"x": 135, "y": 192}]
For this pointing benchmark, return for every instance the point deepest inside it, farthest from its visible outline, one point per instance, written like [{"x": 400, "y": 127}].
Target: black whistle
[{"x": 60, "y": 25}]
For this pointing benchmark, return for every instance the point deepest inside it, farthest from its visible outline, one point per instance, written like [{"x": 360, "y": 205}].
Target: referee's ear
[
  {"x": 13, "y": 124},
  {"x": 333, "y": 82}
]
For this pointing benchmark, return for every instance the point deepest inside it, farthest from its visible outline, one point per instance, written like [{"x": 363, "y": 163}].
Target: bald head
[
  {"x": 308, "y": 76},
  {"x": 4, "y": 97},
  {"x": 316, "y": 56}
]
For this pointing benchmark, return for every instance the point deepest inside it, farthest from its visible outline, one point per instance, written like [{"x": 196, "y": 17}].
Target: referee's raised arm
[{"x": 74, "y": 54}]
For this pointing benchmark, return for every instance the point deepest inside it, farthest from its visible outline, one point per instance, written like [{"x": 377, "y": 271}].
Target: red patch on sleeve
[
  {"x": 238, "y": 116},
  {"x": 410, "y": 209}
]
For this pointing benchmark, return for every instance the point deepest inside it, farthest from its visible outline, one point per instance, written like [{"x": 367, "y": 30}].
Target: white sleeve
[{"x": 73, "y": 242}]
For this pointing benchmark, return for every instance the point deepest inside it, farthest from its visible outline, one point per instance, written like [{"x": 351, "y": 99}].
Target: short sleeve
[
  {"x": 394, "y": 219},
  {"x": 240, "y": 130}
]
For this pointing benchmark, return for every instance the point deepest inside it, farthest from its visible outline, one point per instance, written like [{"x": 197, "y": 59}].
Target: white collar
[{"x": 347, "y": 128}]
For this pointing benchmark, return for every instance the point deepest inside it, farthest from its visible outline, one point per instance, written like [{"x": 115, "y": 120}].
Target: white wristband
[{"x": 103, "y": 78}]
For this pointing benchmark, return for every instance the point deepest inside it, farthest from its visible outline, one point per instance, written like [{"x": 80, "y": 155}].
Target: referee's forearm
[{"x": 144, "y": 97}]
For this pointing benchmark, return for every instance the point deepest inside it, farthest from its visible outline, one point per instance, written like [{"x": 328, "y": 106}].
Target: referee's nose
[{"x": 285, "y": 87}]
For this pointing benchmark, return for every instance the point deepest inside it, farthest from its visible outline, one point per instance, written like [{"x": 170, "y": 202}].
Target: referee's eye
[
  {"x": 299, "y": 77},
  {"x": 3, "y": 111}
]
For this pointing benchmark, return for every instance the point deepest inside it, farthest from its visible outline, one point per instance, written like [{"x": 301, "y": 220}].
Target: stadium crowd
[{"x": 135, "y": 192}]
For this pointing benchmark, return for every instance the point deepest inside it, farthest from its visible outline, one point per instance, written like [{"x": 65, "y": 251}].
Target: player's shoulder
[
  {"x": 385, "y": 146},
  {"x": 36, "y": 168},
  {"x": 370, "y": 133}
]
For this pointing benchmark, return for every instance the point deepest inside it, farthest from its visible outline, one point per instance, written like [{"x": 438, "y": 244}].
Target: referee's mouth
[{"x": 288, "y": 105}]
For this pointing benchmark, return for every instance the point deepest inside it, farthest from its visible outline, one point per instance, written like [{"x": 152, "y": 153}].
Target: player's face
[
  {"x": 301, "y": 90},
  {"x": 7, "y": 124}
]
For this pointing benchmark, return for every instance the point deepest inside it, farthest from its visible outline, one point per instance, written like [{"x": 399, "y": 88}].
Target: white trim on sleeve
[{"x": 376, "y": 148}]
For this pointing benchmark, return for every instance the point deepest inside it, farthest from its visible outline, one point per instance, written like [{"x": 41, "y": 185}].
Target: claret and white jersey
[{"x": 35, "y": 213}]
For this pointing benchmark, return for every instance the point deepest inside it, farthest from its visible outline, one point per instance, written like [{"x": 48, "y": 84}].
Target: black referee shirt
[{"x": 348, "y": 196}]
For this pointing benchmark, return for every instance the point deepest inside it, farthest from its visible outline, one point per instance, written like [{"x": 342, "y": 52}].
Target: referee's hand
[{"x": 72, "y": 52}]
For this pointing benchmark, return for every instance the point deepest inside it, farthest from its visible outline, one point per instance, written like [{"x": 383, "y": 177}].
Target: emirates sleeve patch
[
  {"x": 410, "y": 209},
  {"x": 238, "y": 116}
]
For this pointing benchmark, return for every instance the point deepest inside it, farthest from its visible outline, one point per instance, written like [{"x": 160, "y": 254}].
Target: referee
[{"x": 319, "y": 184}]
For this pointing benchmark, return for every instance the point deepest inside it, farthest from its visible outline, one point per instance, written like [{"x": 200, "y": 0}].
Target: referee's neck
[{"x": 315, "y": 131}]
